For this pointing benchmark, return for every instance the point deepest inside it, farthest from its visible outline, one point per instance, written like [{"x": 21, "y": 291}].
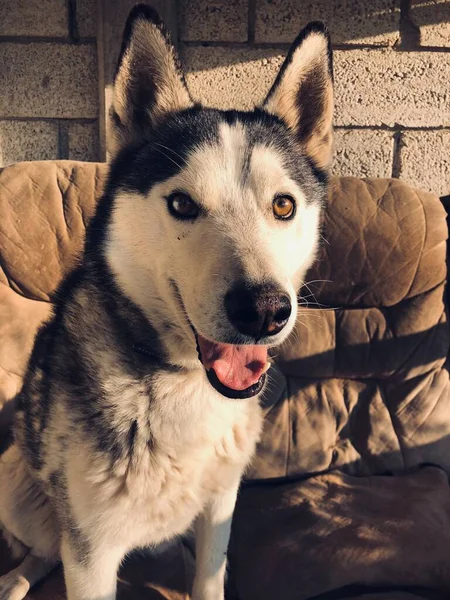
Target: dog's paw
[{"x": 13, "y": 587}]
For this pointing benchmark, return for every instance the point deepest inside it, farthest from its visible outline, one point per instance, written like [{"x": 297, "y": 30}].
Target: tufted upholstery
[
  {"x": 365, "y": 383},
  {"x": 44, "y": 208},
  {"x": 359, "y": 396}
]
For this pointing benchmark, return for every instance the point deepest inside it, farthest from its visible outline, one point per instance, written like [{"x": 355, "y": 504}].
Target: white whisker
[
  {"x": 168, "y": 157},
  {"x": 171, "y": 150}
]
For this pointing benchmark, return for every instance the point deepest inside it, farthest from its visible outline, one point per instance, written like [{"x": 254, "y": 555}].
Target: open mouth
[{"x": 234, "y": 371}]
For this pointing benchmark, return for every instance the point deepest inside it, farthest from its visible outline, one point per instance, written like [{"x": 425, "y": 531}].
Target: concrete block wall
[
  {"x": 48, "y": 80},
  {"x": 392, "y": 74}
]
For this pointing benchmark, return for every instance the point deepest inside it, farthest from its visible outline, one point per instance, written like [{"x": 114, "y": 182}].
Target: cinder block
[
  {"x": 230, "y": 77},
  {"x": 433, "y": 19},
  {"x": 84, "y": 141},
  {"x": 214, "y": 20},
  {"x": 425, "y": 160},
  {"x": 27, "y": 140},
  {"x": 372, "y": 87},
  {"x": 87, "y": 18},
  {"x": 351, "y": 21},
  {"x": 48, "y": 80},
  {"x": 363, "y": 153},
  {"x": 385, "y": 87},
  {"x": 46, "y": 18}
]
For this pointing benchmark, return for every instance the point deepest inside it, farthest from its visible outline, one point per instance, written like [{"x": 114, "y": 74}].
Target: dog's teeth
[{"x": 266, "y": 367}]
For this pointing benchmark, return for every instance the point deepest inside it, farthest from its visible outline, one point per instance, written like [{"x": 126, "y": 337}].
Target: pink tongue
[{"x": 237, "y": 367}]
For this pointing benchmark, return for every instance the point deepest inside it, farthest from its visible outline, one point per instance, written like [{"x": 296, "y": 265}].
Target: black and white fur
[{"x": 121, "y": 441}]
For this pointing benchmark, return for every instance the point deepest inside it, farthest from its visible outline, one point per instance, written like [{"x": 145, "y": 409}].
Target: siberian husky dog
[{"x": 140, "y": 406}]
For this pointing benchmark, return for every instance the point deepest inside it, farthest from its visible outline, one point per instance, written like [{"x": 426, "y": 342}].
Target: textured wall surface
[
  {"x": 392, "y": 75},
  {"x": 48, "y": 80}
]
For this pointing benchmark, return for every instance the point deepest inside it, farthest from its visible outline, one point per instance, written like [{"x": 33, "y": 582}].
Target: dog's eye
[
  {"x": 283, "y": 207},
  {"x": 181, "y": 206}
]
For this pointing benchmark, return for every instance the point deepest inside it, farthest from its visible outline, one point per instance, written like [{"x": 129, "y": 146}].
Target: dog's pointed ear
[
  {"x": 149, "y": 82},
  {"x": 302, "y": 95}
]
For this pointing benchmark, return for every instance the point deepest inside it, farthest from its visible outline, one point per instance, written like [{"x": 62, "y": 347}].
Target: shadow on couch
[{"x": 337, "y": 531}]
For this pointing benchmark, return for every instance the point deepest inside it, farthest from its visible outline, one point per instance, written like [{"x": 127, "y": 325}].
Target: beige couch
[{"x": 348, "y": 496}]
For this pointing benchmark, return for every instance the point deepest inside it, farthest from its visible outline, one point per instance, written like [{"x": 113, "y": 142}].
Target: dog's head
[{"x": 215, "y": 214}]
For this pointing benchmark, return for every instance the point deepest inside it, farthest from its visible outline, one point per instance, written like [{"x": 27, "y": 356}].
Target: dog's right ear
[{"x": 149, "y": 82}]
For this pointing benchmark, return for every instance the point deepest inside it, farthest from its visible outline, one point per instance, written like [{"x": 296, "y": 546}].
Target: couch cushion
[
  {"x": 341, "y": 536},
  {"x": 44, "y": 208},
  {"x": 361, "y": 385},
  {"x": 19, "y": 320},
  {"x": 363, "y": 382},
  {"x": 378, "y": 278}
]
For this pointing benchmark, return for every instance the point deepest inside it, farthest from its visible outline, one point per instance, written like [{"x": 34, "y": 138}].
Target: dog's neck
[{"x": 149, "y": 321}]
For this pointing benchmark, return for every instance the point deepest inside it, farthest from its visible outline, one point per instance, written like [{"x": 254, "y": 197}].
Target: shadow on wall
[
  {"x": 230, "y": 73},
  {"x": 276, "y": 23}
]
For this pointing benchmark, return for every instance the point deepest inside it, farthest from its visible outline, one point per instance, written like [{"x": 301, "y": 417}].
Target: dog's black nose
[{"x": 258, "y": 311}]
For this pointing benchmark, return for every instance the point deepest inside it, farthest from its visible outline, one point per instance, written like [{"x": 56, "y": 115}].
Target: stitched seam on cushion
[
  {"x": 11, "y": 373},
  {"x": 5, "y": 272},
  {"x": 394, "y": 427},
  {"x": 379, "y": 306},
  {"x": 425, "y": 235},
  {"x": 374, "y": 379},
  {"x": 424, "y": 421},
  {"x": 408, "y": 295},
  {"x": 368, "y": 183},
  {"x": 430, "y": 331},
  {"x": 63, "y": 205},
  {"x": 14, "y": 286}
]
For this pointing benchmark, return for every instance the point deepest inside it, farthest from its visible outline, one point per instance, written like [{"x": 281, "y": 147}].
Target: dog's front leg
[
  {"x": 92, "y": 574},
  {"x": 212, "y": 533}
]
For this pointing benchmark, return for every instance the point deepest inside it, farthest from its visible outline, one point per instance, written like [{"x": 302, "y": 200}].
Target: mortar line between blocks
[
  {"x": 251, "y": 23},
  {"x": 63, "y": 140}
]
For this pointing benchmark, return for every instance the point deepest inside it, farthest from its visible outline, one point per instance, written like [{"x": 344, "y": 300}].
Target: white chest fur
[{"x": 190, "y": 444}]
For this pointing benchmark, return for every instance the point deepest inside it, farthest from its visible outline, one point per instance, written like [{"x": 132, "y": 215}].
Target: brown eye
[
  {"x": 181, "y": 206},
  {"x": 283, "y": 207}
]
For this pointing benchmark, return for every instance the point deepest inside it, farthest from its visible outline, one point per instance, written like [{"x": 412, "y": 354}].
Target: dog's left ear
[
  {"x": 302, "y": 95},
  {"x": 149, "y": 82}
]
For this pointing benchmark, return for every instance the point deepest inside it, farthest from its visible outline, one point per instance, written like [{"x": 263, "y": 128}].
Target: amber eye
[
  {"x": 181, "y": 206},
  {"x": 283, "y": 207}
]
